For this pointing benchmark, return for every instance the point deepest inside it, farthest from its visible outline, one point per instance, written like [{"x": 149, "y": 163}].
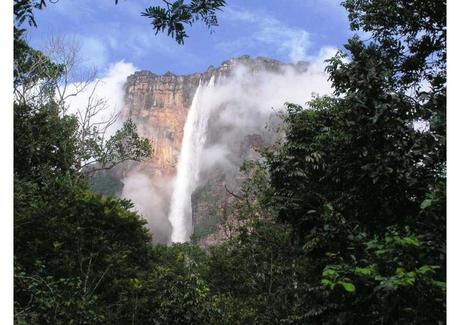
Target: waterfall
[{"x": 188, "y": 167}]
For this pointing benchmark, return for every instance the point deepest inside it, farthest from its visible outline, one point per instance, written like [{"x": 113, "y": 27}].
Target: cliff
[{"x": 158, "y": 104}]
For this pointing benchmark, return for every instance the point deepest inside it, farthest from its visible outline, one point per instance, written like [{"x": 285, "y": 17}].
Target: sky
[{"x": 288, "y": 31}]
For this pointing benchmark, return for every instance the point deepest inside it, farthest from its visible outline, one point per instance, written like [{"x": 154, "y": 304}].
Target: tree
[
  {"x": 174, "y": 290},
  {"x": 75, "y": 251},
  {"x": 24, "y": 11},
  {"x": 175, "y": 15},
  {"x": 361, "y": 185}
]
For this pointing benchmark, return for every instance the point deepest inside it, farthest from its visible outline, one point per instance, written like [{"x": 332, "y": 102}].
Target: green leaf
[
  {"x": 440, "y": 284},
  {"x": 426, "y": 203},
  {"x": 348, "y": 286},
  {"x": 365, "y": 271},
  {"x": 427, "y": 269},
  {"x": 330, "y": 273}
]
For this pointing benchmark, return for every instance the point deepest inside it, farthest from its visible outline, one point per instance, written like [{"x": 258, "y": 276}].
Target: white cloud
[
  {"x": 151, "y": 201},
  {"x": 108, "y": 87},
  {"x": 318, "y": 61},
  {"x": 121, "y": 33},
  {"x": 293, "y": 42},
  {"x": 243, "y": 103},
  {"x": 94, "y": 51},
  {"x": 74, "y": 10}
]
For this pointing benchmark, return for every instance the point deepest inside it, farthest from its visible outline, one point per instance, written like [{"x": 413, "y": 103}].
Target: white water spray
[{"x": 188, "y": 167}]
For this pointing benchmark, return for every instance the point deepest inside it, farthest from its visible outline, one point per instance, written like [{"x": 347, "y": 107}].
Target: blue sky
[{"x": 288, "y": 30}]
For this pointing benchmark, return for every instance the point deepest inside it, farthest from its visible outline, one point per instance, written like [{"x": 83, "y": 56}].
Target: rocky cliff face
[{"x": 158, "y": 104}]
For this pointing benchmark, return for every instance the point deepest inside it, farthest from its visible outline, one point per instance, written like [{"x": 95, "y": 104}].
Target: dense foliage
[
  {"x": 361, "y": 177},
  {"x": 341, "y": 222},
  {"x": 75, "y": 252}
]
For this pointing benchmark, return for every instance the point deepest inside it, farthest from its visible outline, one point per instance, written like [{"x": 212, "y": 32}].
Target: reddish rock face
[{"x": 159, "y": 105}]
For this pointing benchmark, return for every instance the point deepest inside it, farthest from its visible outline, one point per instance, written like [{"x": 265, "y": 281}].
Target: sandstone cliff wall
[{"x": 158, "y": 104}]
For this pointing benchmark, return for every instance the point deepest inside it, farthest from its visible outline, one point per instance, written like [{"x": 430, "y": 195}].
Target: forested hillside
[{"x": 343, "y": 219}]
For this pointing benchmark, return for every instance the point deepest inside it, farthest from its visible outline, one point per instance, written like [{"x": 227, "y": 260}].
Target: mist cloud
[
  {"x": 243, "y": 104},
  {"x": 151, "y": 200},
  {"x": 293, "y": 42},
  {"x": 108, "y": 87}
]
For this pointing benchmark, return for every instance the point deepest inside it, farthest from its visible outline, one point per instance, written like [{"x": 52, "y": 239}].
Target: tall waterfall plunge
[{"x": 188, "y": 167}]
